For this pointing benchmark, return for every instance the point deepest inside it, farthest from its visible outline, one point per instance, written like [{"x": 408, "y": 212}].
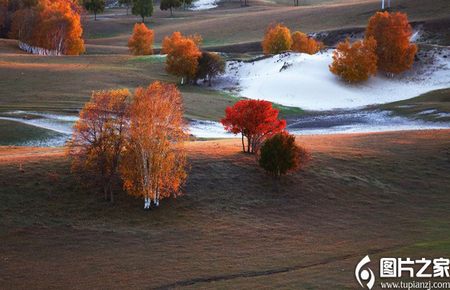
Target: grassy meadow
[{"x": 378, "y": 194}]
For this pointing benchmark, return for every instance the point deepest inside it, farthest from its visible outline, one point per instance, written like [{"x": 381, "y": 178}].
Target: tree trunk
[
  {"x": 142, "y": 19},
  {"x": 243, "y": 145},
  {"x": 171, "y": 13},
  {"x": 95, "y": 16}
]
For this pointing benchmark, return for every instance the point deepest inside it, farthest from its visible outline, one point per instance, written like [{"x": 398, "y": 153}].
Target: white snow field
[
  {"x": 203, "y": 5},
  {"x": 304, "y": 81}
]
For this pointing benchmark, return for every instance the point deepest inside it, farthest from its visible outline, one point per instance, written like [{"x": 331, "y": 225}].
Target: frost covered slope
[{"x": 304, "y": 81}]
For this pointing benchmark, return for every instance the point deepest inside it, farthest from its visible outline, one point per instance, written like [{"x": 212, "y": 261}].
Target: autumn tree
[
  {"x": 142, "y": 8},
  {"x": 280, "y": 155},
  {"x": 209, "y": 66},
  {"x": 169, "y": 5},
  {"x": 99, "y": 137},
  {"x": 255, "y": 120},
  {"x": 182, "y": 55},
  {"x": 392, "y": 33},
  {"x": 51, "y": 25},
  {"x": 355, "y": 62},
  {"x": 277, "y": 39},
  {"x": 94, "y": 6},
  {"x": 141, "y": 41},
  {"x": 305, "y": 44},
  {"x": 126, "y": 3},
  {"x": 154, "y": 161}
]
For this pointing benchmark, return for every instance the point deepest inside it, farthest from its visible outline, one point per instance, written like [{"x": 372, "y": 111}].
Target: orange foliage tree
[
  {"x": 280, "y": 155},
  {"x": 303, "y": 43},
  {"x": 141, "y": 41},
  {"x": 182, "y": 55},
  {"x": 392, "y": 32},
  {"x": 99, "y": 137},
  {"x": 154, "y": 161},
  {"x": 256, "y": 120},
  {"x": 277, "y": 39},
  {"x": 355, "y": 62},
  {"x": 53, "y": 25}
]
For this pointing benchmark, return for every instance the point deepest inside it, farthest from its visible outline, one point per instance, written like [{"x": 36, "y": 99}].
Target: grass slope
[{"x": 379, "y": 194}]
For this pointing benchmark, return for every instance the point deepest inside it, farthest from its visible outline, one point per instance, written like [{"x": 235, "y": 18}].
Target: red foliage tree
[
  {"x": 355, "y": 62},
  {"x": 392, "y": 32},
  {"x": 256, "y": 120}
]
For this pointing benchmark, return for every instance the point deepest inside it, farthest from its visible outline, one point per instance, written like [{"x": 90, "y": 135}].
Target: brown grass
[
  {"x": 240, "y": 25},
  {"x": 379, "y": 194}
]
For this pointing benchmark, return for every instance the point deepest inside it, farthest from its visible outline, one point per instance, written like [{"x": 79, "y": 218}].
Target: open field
[
  {"x": 231, "y": 24},
  {"x": 380, "y": 194}
]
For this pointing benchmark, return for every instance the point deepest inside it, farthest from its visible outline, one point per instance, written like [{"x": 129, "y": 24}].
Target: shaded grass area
[
  {"x": 378, "y": 194},
  {"x": 14, "y": 133},
  {"x": 64, "y": 84},
  {"x": 435, "y": 102}
]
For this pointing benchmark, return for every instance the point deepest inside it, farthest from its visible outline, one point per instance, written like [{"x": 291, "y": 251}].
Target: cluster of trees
[
  {"x": 187, "y": 61},
  {"x": 48, "y": 24},
  {"x": 184, "y": 57},
  {"x": 386, "y": 47},
  {"x": 142, "y": 8},
  {"x": 138, "y": 139},
  {"x": 257, "y": 122},
  {"x": 278, "y": 38}
]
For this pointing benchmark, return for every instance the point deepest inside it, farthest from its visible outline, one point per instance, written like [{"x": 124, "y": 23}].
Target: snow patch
[
  {"x": 203, "y": 5},
  {"x": 304, "y": 81},
  {"x": 208, "y": 129}
]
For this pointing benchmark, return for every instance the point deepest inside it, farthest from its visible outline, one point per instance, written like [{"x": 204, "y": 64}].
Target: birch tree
[{"x": 154, "y": 162}]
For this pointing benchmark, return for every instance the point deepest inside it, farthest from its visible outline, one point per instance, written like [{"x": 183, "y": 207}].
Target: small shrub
[
  {"x": 209, "y": 66},
  {"x": 280, "y": 155}
]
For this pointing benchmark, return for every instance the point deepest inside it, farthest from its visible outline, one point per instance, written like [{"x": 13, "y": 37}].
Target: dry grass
[
  {"x": 238, "y": 25},
  {"x": 383, "y": 194}
]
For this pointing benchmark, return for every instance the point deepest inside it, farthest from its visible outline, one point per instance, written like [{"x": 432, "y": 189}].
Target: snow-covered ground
[
  {"x": 203, "y": 4},
  {"x": 304, "y": 81}
]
